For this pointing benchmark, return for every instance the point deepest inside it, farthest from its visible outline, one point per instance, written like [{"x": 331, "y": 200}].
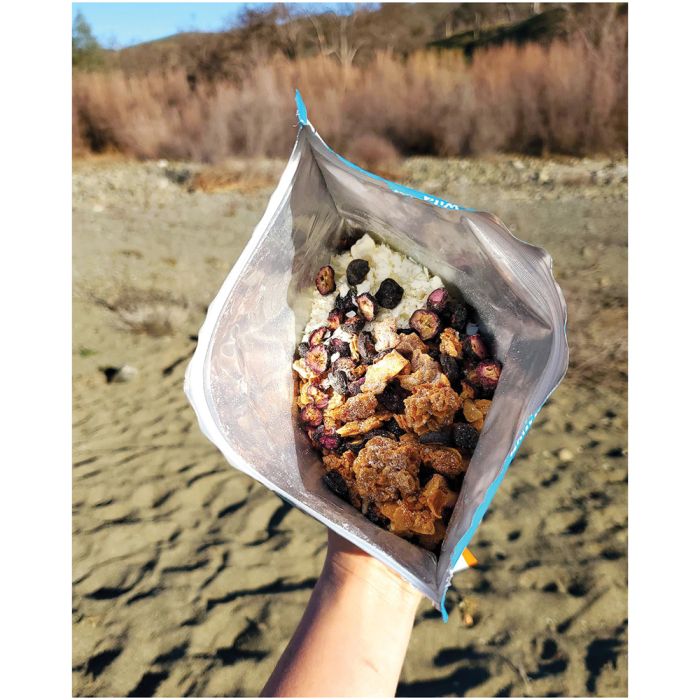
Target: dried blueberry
[
  {"x": 367, "y": 306},
  {"x": 376, "y": 517},
  {"x": 475, "y": 347},
  {"x": 465, "y": 437},
  {"x": 450, "y": 367},
  {"x": 488, "y": 372},
  {"x": 303, "y": 348},
  {"x": 353, "y": 324},
  {"x": 318, "y": 336},
  {"x": 339, "y": 346},
  {"x": 459, "y": 316},
  {"x": 393, "y": 427},
  {"x": 339, "y": 381},
  {"x": 392, "y": 397},
  {"x": 325, "y": 280},
  {"x": 311, "y": 415},
  {"x": 357, "y": 271},
  {"x": 335, "y": 318},
  {"x": 355, "y": 387},
  {"x": 389, "y": 294},
  {"x": 437, "y": 300},
  {"x": 437, "y": 437},
  {"x": 379, "y": 432},
  {"x": 365, "y": 346},
  {"x": 346, "y": 303},
  {"x": 335, "y": 482},
  {"x": 317, "y": 359},
  {"x": 425, "y": 323}
]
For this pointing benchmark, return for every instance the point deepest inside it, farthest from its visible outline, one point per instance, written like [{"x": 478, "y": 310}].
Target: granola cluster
[{"x": 395, "y": 412}]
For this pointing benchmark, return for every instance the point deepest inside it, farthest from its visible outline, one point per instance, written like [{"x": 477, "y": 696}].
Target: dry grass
[{"x": 564, "y": 98}]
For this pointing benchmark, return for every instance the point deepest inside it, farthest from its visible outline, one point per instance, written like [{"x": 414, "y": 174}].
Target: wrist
[{"x": 348, "y": 566}]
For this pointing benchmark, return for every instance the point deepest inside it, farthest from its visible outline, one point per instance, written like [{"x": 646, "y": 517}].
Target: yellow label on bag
[{"x": 469, "y": 558}]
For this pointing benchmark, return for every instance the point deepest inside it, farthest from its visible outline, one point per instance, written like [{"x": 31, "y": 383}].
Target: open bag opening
[{"x": 240, "y": 381}]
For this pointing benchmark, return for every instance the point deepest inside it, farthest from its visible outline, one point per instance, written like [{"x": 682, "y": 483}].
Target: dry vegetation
[{"x": 569, "y": 96}]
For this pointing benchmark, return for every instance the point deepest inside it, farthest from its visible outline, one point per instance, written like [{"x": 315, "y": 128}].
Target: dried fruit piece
[
  {"x": 459, "y": 316},
  {"x": 303, "y": 348},
  {"x": 406, "y": 519},
  {"x": 357, "y": 271},
  {"x": 434, "y": 541},
  {"x": 386, "y": 469},
  {"x": 471, "y": 412},
  {"x": 450, "y": 343},
  {"x": 302, "y": 369},
  {"x": 367, "y": 306},
  {"x": 437, "y": 300},
  {"x": 365, "y": 346},
  {"x": 467, "y": 391},
  {"x": 363, "y": 426},
  {"x": 318, "y": 335},
  {"x": 475, "y": 347},
  {"x": 436, "y": 437},
  {"x": 394, "y": 428},
  {"x": 431, "y": 408},
  {"x": 389, "y": 294},
  {"x": 425, "y": 323},
  {"x": 335, "y": 318},
  {"x": 380, "y": 373},
  {"x": 450, "y": 367},
  {"x": 437, "y": 495},
  {"x": 339, "y": 382},
  {"x": 425, "y": 371},
  {"x": 346, "y": 303},
  {"x": 465, "y": 437},
  {"x": 385, "y": 335},
  {"x": 488, "y": 372},
  {"x": 330, "y": 440},
  {"x": 335, "y": 482},
  {"x": 325, "y": 280},
  {"x": 339, "y": 346},
  {"x": 343, "y": 364},
  {"x": 484, "y": 405},
  {"x": 311, "y": 415},
  {"x": 409, "y": 341},
  {"x": 355, "y": 387},
  {"x": 375, "y": 516},
  {"x": 447, "y": 461},
  {"x": 392, "y": 397},
  {"x": 317, "y": 359},
  {"x": 358, "y": 408},
  {"x": 353, "y": 324}
]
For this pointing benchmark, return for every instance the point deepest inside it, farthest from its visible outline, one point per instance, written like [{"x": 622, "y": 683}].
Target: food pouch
[{"x": 240, "y": 379}]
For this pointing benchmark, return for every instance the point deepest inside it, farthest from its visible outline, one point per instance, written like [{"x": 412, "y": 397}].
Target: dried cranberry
[
  {"x": 319, "y": 335},
  {"x": 339, "y": 381},
  {"x": 339, "y": 346},
  {"x": 459, "y": 316},
  {"x": 335, "y": 318},
  {"x": 367, "y": 306},
  {"x": 488, "y": 372},
  {"x": 317, "y": 359},
  {"x": 355, "y": 387},
  {"x": 343, "y": 364},
  {"x": 354, "y": 324},
  {"x": 425, "y": 323},
  {"x": 475, "y": 347},
  {"x": 437, "y": 300},
  {"x": 365, "y": 346},
  {"x": 325, "y": 280}
]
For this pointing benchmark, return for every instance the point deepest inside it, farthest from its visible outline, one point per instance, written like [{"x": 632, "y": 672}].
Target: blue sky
[{"x": 121, "y": 24}]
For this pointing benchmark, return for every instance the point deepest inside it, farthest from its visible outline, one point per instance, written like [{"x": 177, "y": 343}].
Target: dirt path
[{"x": 189, "y": 577}]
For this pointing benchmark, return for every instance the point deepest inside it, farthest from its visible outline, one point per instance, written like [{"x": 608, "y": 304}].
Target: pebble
[
  {"x": 565, "y": 455},
  {"x": 125, "y": 374}
]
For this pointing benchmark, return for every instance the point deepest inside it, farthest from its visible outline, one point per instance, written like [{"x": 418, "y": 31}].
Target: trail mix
[{"x": 395, "y": 412}]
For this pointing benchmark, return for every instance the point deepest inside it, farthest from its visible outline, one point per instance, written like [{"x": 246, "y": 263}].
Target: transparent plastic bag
[{"x": 240, "y": 381}]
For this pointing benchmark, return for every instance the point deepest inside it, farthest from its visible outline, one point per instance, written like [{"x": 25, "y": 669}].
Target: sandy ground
[{"x": 189, "y": 577}]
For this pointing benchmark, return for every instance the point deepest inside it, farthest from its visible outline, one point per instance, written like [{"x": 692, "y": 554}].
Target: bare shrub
[
  {"x": 146, "y": 311},
  {"x": 567, "y": 97},
  {"x": 373, "y": 153}
]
